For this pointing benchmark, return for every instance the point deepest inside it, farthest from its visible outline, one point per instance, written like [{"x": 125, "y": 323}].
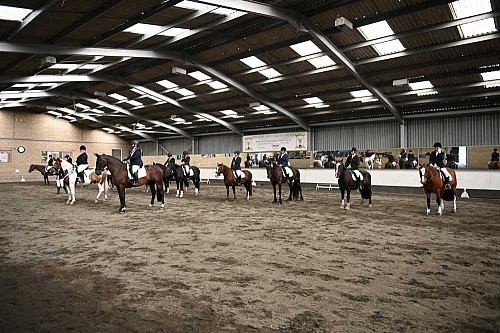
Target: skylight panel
[
  {"x": 143, "y": 29},
  {"x": 118, "y": 97},
  {"x": 305, "y": 48},
  {"x": 57, "y": 114},
  {"x": 253, "y": 62},
  {"x": 423, "y": 85},
  {"x": 179, "y": 120},
  {"x": 82, "y": 106},
  {"x": 313, "y": 100},
  {"x": 361, "y": 93},
  {"x": 378, "y": 30},
  {"x": 192, "y": 5},
  {"x": 134, "y": 103},
  {"x": 270, "y": 73},
  {"x": 70, "y": 118},
  {"x": 217, "y": 85},
  {"x": 172, "y": 32},
  {"x": 201, "y": 118},
  {"x": 488, "y": 76},
  {"x": 229, "y": 112},
  {"x": 263, "y": 109},
  {"x": 96, "y": 111},
  {"x": 8, "y": 13},
  {"x": 184, "y": 92},
  {"x": 224, "y": 11},
  {"x": 23, "y": 85},
  {"x": 199, "y": 76},
  {"x": 466, "y": 8},
  {"x": 321, "y": 62},
  {"x": 167, "y": 84}
]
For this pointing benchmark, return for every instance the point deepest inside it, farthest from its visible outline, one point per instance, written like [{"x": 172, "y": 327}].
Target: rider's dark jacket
[
  {"x": 82, "y": 159},
  {"x": 283, "y": 160},
  {"x": 437, "y": 158},
  {"x": 185, "y": 160},
  {"x": 495, "y": 156},
  {"x": 411, "y": 157},
  {"x": 236, "y": 163},
  {"x": 353, "y": 161},
  {"x": 134, "y": 156}
]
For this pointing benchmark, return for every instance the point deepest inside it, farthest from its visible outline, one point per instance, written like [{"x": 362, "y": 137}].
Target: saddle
[{"x": 140, "y": 173}]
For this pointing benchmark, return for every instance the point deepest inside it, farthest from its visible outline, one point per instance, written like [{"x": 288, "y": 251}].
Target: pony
[
  {"x": 430, "y": 178},
  {"x": 175, "y": 171},
  {"x": 370, "y": 161},
  {"x": 70, "y": 178},
  {"x": 275, "y": 175},
  {"x": 120, "y": 177},
  {"x": 43, "y": 171},
  {"x": 411, "y": 164},
  {"x": 493, "y": 165},
  {"x": 346, "y": 183},
  {"x": 230, "y": 180}
]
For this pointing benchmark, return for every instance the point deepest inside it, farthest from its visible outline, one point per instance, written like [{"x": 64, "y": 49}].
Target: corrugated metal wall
[
  {"x": 470, "y": 130},
  {"x": 175, "y": 146},
  {"x": 361, "y": 136},
  {"x": 220, "y": 144}
]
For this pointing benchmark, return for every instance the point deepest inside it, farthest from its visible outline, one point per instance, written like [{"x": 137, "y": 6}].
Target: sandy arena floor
[{"x": 205, "y": 265}]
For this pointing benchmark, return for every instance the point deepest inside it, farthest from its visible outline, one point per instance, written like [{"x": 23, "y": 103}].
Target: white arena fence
[{"x": 470, "y": 179}]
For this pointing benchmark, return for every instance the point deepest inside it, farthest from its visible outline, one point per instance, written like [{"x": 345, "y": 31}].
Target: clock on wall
[{"x": 21, "y": 149}]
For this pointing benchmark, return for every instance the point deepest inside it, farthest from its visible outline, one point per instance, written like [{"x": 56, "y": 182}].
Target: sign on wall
[{"x": 273, "y": 142}]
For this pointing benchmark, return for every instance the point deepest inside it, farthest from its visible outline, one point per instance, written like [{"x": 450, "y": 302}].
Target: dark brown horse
[
  {"x": 275, "y": 175},
  {"x": 43, "y": 171},
  {"x": 493, "y": 165},
  {"x": 119, "y": 174},
  {"x": 230, "y": 180},
  {"x": 346, "y": 183},
  {"x": 431, "y": 179},
  {"x": 174, "y": 171}
]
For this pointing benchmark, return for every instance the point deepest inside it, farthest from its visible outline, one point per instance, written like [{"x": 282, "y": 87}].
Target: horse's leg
[
  {"x": 178, "y": 190},
  {"x": 182, "y": 190},
  {"x": 121, "y": 194},
  {"x": 428, "y": 209},
  {"x": 300, "y": 191},
  {"x": 280, "y": 201},
  {"x": 234, "y": 192},
  {"x": 106, "y": 188},
  {"x": 46, "y": 179},
  {"x": 68, "y": 192},
  {"x": 152, "y": 188},
  {"x": 196, "y": 182},
  {"x": 274, "y": 191},
  {"x": 161, "y": 196},
  {"x": 72, "y": 190},
  {"x": 290, "y": 185},
  {"x": 454, "y": 200},
  {"x": 101, "y": 189},
  {"x": 227, "y": 190},
  {"x": 247, "y": 187},
  {"x": 439, "y": 202},
  {"x": 348, "y": 205},
  {"x": 342, "y": 193}
]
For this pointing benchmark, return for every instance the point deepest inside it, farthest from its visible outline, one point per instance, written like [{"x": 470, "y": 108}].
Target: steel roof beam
[{"x": 27, "y": 20}]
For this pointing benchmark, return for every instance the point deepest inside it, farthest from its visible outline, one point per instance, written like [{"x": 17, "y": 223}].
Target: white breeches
[
  {"x": 239, "y": 173},
  {"x": 186, "y": 169},
  {"x": 135, "y": 168},
  {"x": 444, "y": 171},
  {"x": 82, "y": 167}
]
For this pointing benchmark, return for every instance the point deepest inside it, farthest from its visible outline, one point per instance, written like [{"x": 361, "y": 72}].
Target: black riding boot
[
  {"x": 360, "y": 184},
  {"x": 238, "y": 181},
  {"x": 135, "y": 179},
  {"x": 82, "y": 177},
  {"x": 447, "y": 185}
]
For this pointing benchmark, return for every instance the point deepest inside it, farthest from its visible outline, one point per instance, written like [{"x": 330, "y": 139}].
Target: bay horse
[
  {"x": 346, "y": 183},
  {"x": 275, "y": 175},
  {"x": 430, "y": 177},
  {"x": 230, "y": 180},
  {"x": 43, "y": 171},
  {"x": 70, "y": 177},
  {"x": 493, "y": 165},
  {"x": 411, "y": 164},
  {"x": 119, "y": 175},
  {"x": 175, "y": 171}
]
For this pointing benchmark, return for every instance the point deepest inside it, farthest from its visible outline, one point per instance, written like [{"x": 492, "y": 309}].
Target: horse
[
  {"x": 378, "y": 161},
  {"x": 275, "y": 175},
  {"x": 430, "y": 178},
  {"x": 402, "y": 162},
  {"x": 230, "y": 180},
  {"x": 411, "y": 164},
  {"x": 175, "y": 171},
  {"x": 91, "y": 177},
  {"x": 493, "y": 165},
  {"x": 369, "y": 161},
  {"x": 329, "y": 165},
  {"x": 346, "y": 183},
  {"x": 43, "y": 171},
  {"x": 119, "y": 174}
]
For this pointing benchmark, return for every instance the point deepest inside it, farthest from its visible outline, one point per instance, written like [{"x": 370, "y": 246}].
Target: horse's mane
[{"x": 111, "y": 157}]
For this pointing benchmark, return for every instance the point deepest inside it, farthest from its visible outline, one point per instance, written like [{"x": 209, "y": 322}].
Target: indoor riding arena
[{"x": 285, "y": 166}]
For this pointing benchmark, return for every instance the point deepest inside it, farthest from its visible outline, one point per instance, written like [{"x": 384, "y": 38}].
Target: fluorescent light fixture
[
  {"x": 192, "y": 5},
  {"x": 57, "y": 114},
  {"x": 118, "y": 97},
  {"x": 466, "y": 8},
  {"x": 184, "y": 92},
  {"x": 313, "y": 100},
  {"x": 134, "y": 103},
  {"x": 369, "y": 100},
  {"x": 378, "y": 30},
  {"x": 75, "y": 66},
  {"x": 172, "y": 32},
  {"x": 201, "y": 118},
  {"x": 361, "y": 93},
  {"x": 82, "y": 106},
  {"x": 263, "y": 109},
  {"x": 96, "y": 111},
  {"x": 199, "y": 76},
  {"x": 70, "y": 118},
  {"x": 143, "y": 29},
  {"x": 488, "y": 76},
  {"x": 422, "y": 85},
  {"x": 217, "y": 85},
  {"x": 24, "y": 85},
  {"x": 109, "y": 130},
  {"x": 167, "y": 84},
  {"x": 8, "y": 13},
  {"x": 253, "y": 62},
  {"x": 229, "y": 112}
]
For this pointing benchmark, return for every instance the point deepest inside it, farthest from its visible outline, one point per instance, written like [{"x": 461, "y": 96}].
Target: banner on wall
[{"x": 273, "y": 142}]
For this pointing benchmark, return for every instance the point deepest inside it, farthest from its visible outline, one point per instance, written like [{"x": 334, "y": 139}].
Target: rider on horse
[
  {"x": 236, "y": 166},
  {"x": 170, "y": 160},
  {"x": 82, "y": 163},
  {"x": 495, "y": 157},
  {"x": 50, "y": 164},
  {"x": 285, "y": 164},
  {"x": 403, "y": 154},
  {"x": 437, "y": 161},
  {"x": 185, "y": 163},
  {"x": 135, "y": 158},
  {"x": 352, "y": 162},
  {"x": 411, "y": 158}
]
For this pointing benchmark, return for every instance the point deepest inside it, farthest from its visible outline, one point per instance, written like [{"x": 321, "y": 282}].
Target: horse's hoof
[
  {"x": 67, "y": 202},
  {"x": 347, "y": 207},
  {"x": 72, "y": 203},
  {"x": 168, "y": 190},
  {"x": 150, "y": 206},
  {"x": 370, "y": 205},
  {"x": 280, "y": 202},
  {"x": 96, "y": 201},
  {"x": 341, "y": 206},
  {"x": 439, "y": 214},
  {"x": 454, "y": 210},
  {"x": 176, "y": 195},
  {"x": 162, "y": 206},
  {"x": 275, "y": 201}
]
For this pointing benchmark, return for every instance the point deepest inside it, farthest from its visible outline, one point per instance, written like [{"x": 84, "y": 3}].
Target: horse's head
[
  {"x": 339, "y": 168},
  {"x": 57, "y": 164},
  {"x": 32, "y": 167},
  {"x": 219, "y": 169},
  {"x": 425, "y": 173},
  {"x": 99, "y": 164},
  {"x": 269, "y": 168}
]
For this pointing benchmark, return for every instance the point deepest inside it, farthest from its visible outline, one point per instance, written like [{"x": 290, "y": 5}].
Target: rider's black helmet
[
  {"x": 438, "y": 144},
  {"x": 169, "y": 155},
  {"x": 82, "y": 147},
  {"x": 283, "y": 148},
  {"x": 236, "y": 151},
  {"x": 354, "y": 149}
]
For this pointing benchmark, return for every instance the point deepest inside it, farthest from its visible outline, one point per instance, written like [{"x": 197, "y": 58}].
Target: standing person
[
  {"x": 283, "y": 162},
  {"x": 437, "y": 161},
  {"x": 185, "y": 161},
  {"x": 82, "y": 163},
  {"x": 135, "y": 158},
  {"x": 68, "y": 158},
  {"x": 170, "y": 160},
  {"x": 352, "y": 162},
  {"x": 236, "y": 166}
]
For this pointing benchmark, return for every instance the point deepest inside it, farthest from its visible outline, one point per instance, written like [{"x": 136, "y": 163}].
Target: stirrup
[{"x": 447, "y": 186}]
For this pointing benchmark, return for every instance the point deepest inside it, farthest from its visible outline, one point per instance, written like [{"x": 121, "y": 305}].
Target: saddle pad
[
  {"x": 140, "y": 174},
  {"x": 191, "y": 173},
  {"x": 353, "y": 174},
  {"x": 242, "y": 175}
]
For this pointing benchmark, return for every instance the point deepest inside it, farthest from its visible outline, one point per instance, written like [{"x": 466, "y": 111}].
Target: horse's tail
[
  {"x": 296, "y": 186},
  {"x": 366, "y": 192},
  {"x": 249, "y": 182}
]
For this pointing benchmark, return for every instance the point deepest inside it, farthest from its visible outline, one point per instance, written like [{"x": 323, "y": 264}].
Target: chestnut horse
[
  {"x": 275, "y": 175},
  {"x": 346, "y": 183},
  {"x": 43, "y": 171},
  {"x": 230, "y": 180},
  {"x": 430, "y": 177},
  {"x": 119, "y": 174}
]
